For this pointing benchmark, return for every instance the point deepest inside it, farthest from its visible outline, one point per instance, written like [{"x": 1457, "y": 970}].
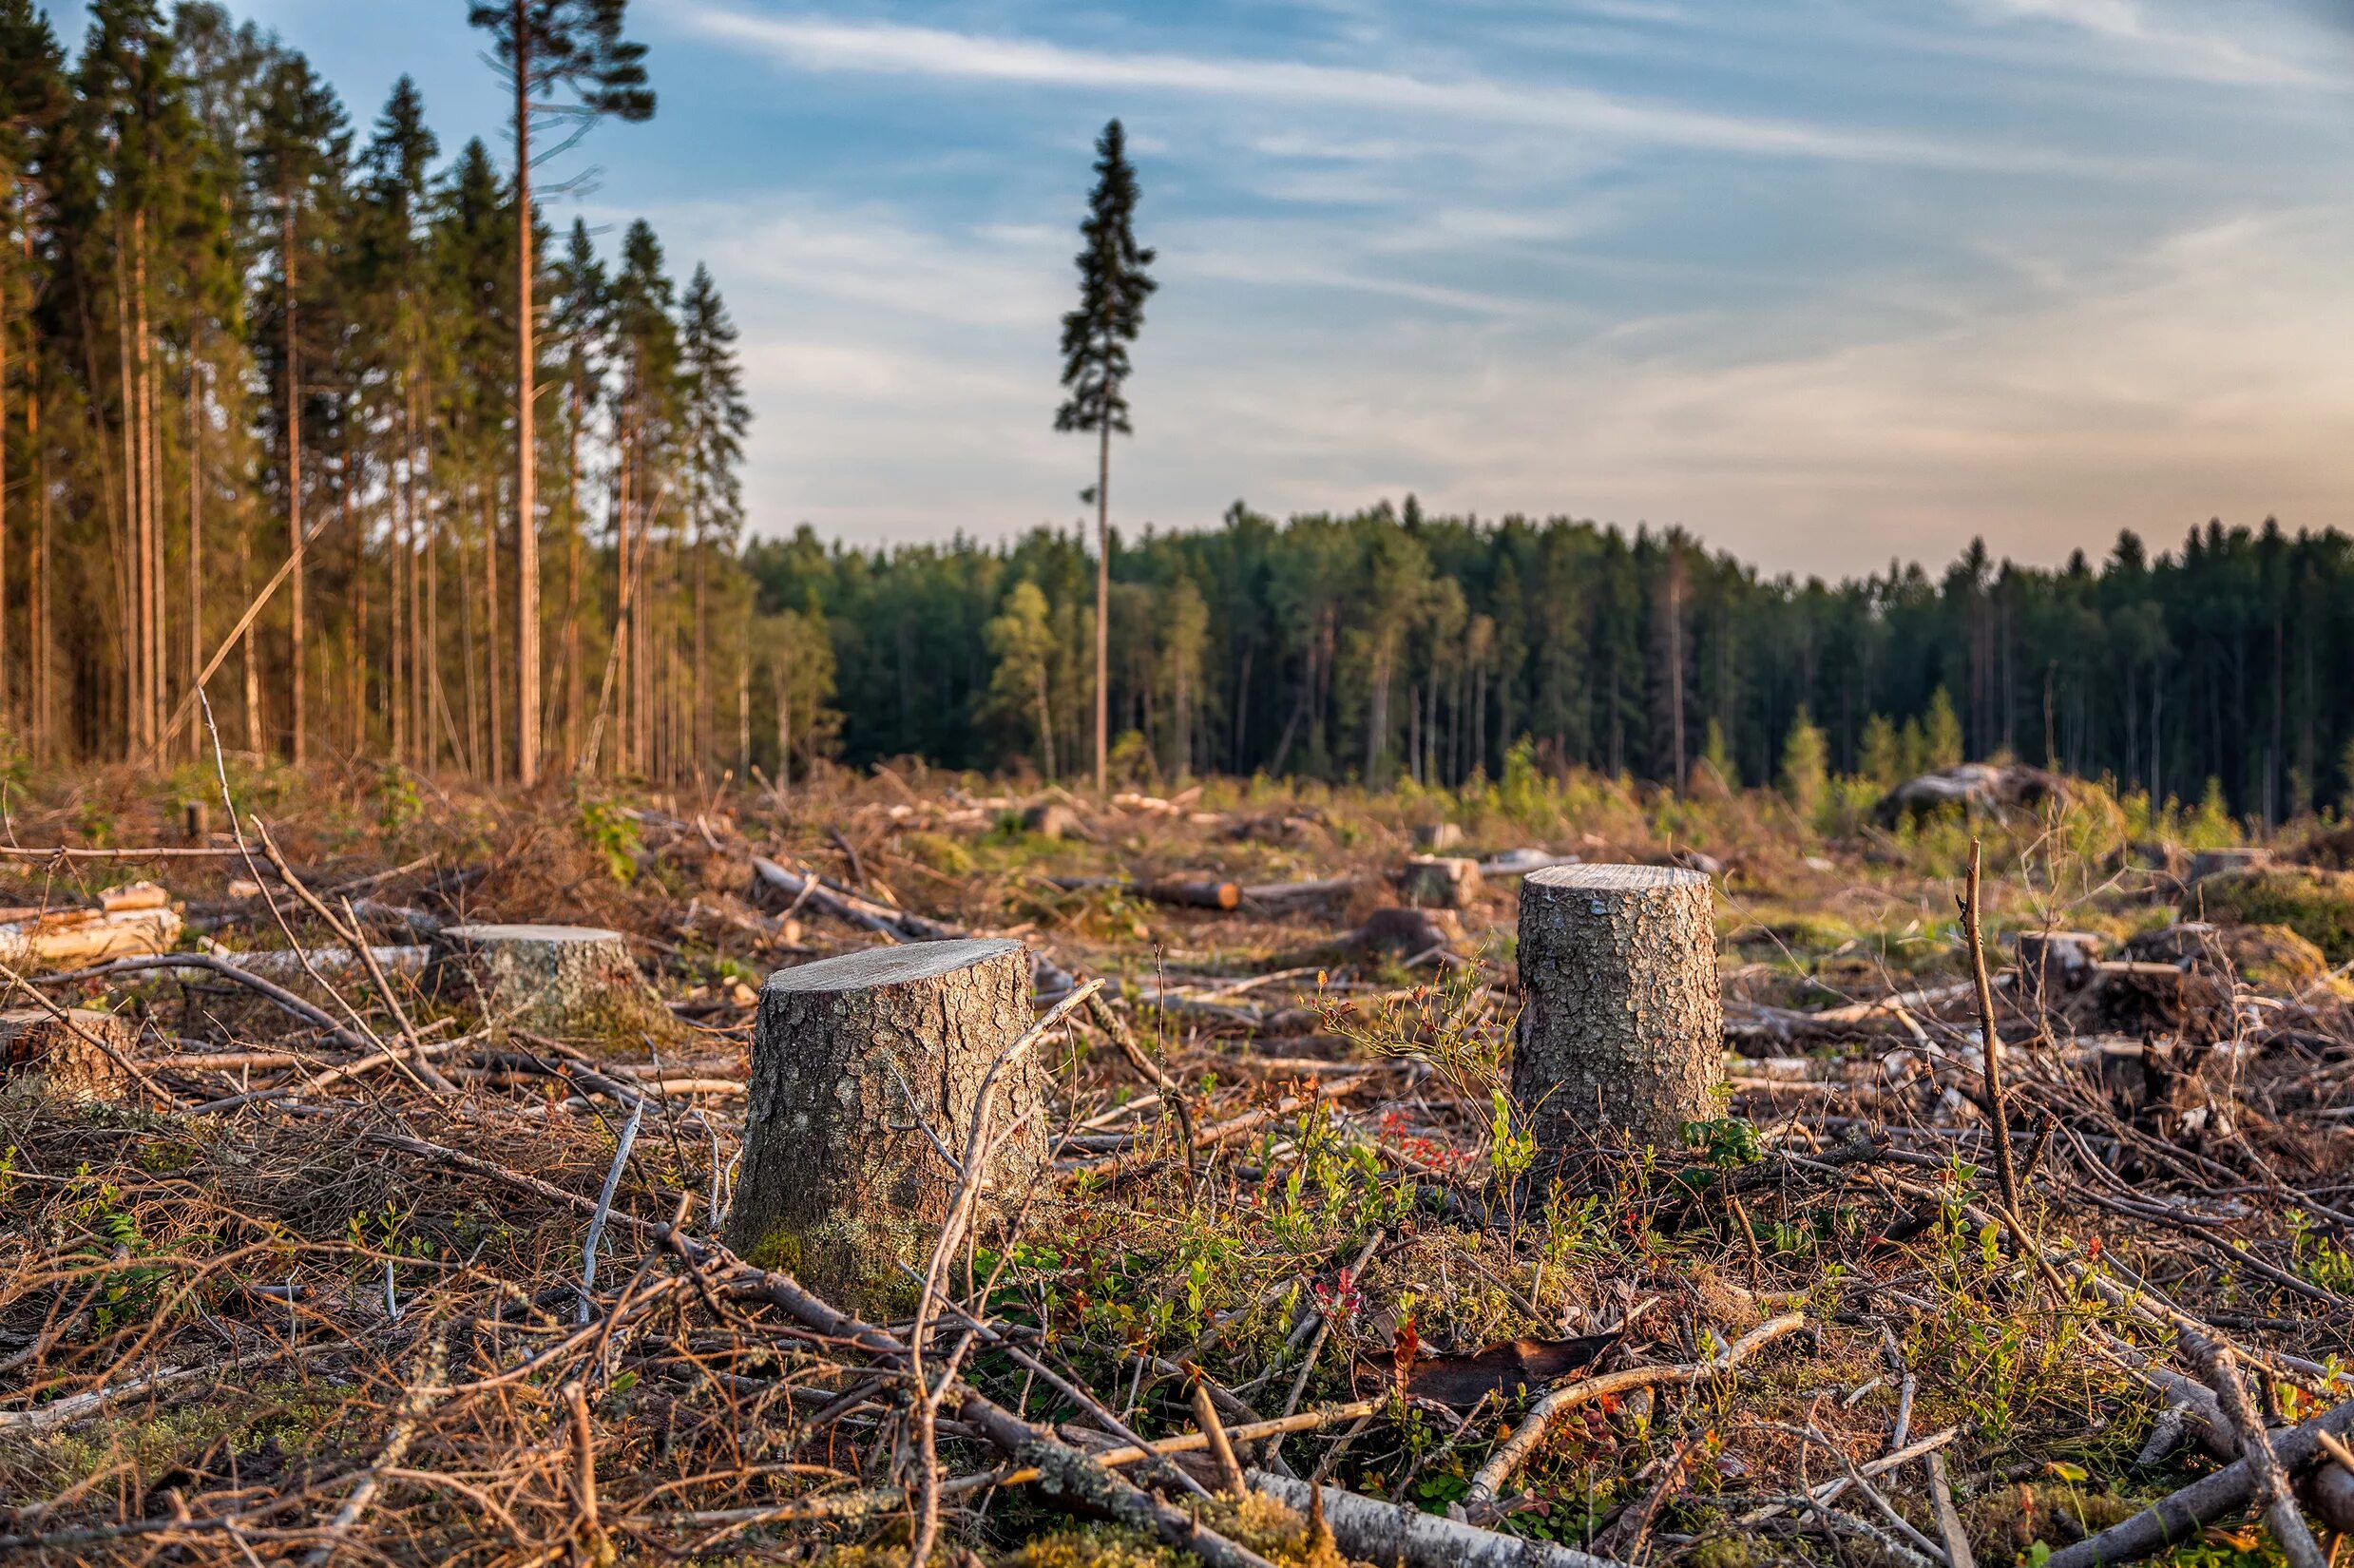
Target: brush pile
[{"x": 321, "y": 1237}]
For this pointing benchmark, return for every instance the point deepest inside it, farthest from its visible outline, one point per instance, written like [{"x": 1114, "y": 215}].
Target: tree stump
[
  {"x": 33, "y": 1044},
  {"x": 1439, "y": 882},
  {"x": 1622, "y": 1027},
  {"x": 854, "y": 1059},
  {"x": 576, "y": 982},
  {"x": 2052, "y": 964},
  {"x": 1432, "y": 837}
]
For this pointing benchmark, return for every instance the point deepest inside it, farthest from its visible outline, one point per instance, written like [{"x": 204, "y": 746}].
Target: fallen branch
[
  {"x": 1514, "y": 1450},
  {"x": 1366, "y": 1528},
  {"x": 2181, "y": 1514}
]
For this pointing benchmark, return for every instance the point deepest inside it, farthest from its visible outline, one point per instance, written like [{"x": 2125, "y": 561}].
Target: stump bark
[
  {"x": 1439, "y": 882},
  {"x": 852, "y": 1060},
  {"x": 575, "y": 983},
  {"x": 35, "y": 1044},
  {"x": 1621, "y": 1029}
]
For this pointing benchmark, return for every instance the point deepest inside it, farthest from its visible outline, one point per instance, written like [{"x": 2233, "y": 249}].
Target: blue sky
[{"x": 1825, "y": 281}]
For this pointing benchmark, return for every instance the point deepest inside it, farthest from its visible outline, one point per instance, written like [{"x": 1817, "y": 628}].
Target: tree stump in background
[
  {"x": 35, "y": 1044},
  {"x": 575, "y": 983},
  {"x": 1439, "y": 882},
  {"x": 1622, "y": 1027},
  {"x": 852, "y": 1060},
  {"x": 2053, "y": 964}
]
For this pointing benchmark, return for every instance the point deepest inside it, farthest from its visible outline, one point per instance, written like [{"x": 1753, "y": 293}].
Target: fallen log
[
  {"x": 82, "y": 936},
  {"x": 1197, "y": 893},
  {"x": 1366, "y": 1529}
]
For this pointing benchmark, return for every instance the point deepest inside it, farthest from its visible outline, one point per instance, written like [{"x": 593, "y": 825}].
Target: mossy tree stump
[
  {"x": 858, "y": 1063},
  {"x": 1439, "y": 882},
  {"x": 1621, "y": 1031},
  {"x": 575, "y": 983}
]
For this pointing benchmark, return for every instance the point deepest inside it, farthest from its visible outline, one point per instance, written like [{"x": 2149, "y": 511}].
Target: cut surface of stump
[
  {"x": 36, "y": 1045},
  {"x": 857, "y": 1063},
  {"x": 1622, "y": 1030},
  {"x": 1439, "y": 882},
  {"x": 574, "y": 982}
]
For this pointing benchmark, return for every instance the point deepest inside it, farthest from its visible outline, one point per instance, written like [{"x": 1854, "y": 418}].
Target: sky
[{"x": 1825, "y": 282}]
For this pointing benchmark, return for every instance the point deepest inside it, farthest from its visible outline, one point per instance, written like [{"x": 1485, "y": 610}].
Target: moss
[
  {"x": 941, "y": 852},
  {"x": 2317, "y": 905},
  {"x": 2273, "y": 958},
  {"x": 1725, "y": 1551},
  {"x": 855, "y": 1264}
]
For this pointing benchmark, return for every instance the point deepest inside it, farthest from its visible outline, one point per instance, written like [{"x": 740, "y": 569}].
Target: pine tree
[
  {"x": 32, "y": 101},
  {"x": 566, "y": 59},
  {"x": 716, "y": 418},
  {"x": 1804, "y": 774},
  {"x": 1021, "y": 644},
  {"x": 1113, "y": 287},
  {"x": 1881, "y": 759},
  {"x": 1940, "y": 735}
]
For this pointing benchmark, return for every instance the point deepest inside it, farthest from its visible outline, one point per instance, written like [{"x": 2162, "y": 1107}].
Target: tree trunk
[
  {"x": 1102, "y": 600},
  {"x": 840, "y": 1186},
  {"x": 1621, "y": 1027},
  {"x": 294, "y": 474},
  {"x": 526, "y": 468}
]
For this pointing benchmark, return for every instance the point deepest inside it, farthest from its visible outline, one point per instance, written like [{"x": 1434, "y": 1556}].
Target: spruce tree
[
  {"x": 566, "y": 61},
  {"x": 716, "y": 418},
  {"x": 1113, "y": 287}
]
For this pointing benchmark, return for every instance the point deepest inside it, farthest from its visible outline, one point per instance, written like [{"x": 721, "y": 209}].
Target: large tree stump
[
  {"x": 576, "y": 982},
  {"x": 1622, "y": 1027},
  {"x": 857, "y": 1063},
  {"x": 64, "y": 1057}
]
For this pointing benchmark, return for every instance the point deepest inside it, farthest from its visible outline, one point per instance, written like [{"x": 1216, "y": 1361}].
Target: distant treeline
[
  {"x": 1393, "y": 643},
  {"x": 258, "y": 424}
]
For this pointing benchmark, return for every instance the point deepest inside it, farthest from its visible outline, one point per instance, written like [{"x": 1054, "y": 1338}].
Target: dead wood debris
[{"x": 302, "y": 1276}]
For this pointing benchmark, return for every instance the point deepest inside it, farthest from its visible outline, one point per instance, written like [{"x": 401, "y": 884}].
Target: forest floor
[{"x": 284, "y": 1285}]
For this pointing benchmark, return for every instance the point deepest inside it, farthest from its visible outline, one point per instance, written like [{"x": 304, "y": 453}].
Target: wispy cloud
[
  {"x": 2148, "y": 40},
  {"x": 819, "y": 45}
]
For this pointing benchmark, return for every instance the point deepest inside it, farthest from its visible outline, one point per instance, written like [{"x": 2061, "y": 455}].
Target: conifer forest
[{"x": 554, "y": 1015}]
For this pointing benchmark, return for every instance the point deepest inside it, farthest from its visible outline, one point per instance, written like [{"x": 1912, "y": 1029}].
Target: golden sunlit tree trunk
[
  {"x": 294, "y": 477},
  {"x": 526, "y": 468}
]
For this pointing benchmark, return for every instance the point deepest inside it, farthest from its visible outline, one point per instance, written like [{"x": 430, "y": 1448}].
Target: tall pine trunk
[
  {"x": 294, "y": 480},
  {"x": 526, "y": 391},
  {"x": 1102, "y": 600}
]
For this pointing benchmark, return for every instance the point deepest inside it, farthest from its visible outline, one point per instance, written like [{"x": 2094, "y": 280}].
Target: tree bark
[
  {"x": 577, "y": 983},
  {"x": 294, "y": 473},
  {"x": 1621, "y": 1029},
  {"x": 1103, "y": 603},
  {"x": 526, "y": 468},
  {"x": 840, "y": 1183}
]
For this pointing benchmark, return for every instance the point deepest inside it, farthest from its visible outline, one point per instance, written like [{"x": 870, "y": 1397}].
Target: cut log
[
  {"x": 1523, "y": 861},
  {"x": 1621, "y": 1029},
  {"x": 576, "y": 982},
  {"x": 1191, "y": 892},
  {"x": 1433, "y": 836},
  {"x": 69, "y": 938},
  {"x": 858, "y": 1063},
  {"x": 1439, "y": 882},
  {"x": 63, "y": 1055},
  {"x": 1973, "y": 785}
]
